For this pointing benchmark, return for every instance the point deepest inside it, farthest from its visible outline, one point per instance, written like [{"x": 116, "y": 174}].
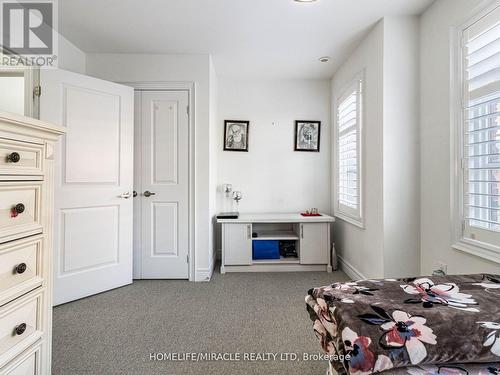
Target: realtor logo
[
  {"x": 27, "y": 28},
  {"x": 28, "y": 35}
]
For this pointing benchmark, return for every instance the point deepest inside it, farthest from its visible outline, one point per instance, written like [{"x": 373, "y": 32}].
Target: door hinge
[
  {"x": 187, "y": 110},
  {"x": 463, "y": 226},
  {"x": 462, "y": 163},
  {"x": 187, "y": 258},
  {"x": 37, "y": 90}
]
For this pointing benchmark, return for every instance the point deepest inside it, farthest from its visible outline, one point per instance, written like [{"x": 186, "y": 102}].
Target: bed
[{"x": 416, "y": 326}]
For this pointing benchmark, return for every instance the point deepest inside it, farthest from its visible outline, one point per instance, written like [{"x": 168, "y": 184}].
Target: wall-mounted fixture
[
  {"x": 324, "y": 59},
  {"x": 227, "y": 188},
  {"x": 230, "y": 199},
  {"x": 237, "y": 197}
]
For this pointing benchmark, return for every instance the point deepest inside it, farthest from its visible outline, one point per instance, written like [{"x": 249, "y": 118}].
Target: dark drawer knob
[
  {"x": 19, "y": 330},
  {"x": 20, "y": 268},
  {"x": 13, "y": 157},
  {"x": 19, "y": 208}
]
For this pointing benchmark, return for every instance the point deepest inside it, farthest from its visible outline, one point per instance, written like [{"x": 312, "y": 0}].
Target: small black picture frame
[
  {"x": 236, "y": 135},
  {"x": 307, "y": 136}
]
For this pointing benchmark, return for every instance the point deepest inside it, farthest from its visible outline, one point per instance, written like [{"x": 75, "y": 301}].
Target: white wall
[
  {"x": 271, "y": 175},
  {"x": 401, "y": 147},
  {"x": 388, "y": 246},
  {"x": 175, "y": 68},
  {"x": 361, "y": 250},
  {"x": 71, "y": 57},
  {"x": 436, "y": 26}
]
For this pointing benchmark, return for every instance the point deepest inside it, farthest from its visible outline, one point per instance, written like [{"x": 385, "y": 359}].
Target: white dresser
[
  {"x": 310, "y": 235},
  {"x": 26, "y": 209}
]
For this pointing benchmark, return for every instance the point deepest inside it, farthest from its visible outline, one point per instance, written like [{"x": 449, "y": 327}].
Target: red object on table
[{"x": 304, "y": 214}]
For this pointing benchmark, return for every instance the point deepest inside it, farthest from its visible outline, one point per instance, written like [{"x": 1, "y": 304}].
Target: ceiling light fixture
[
  {"x": 324, "y": 59},
  {"x": 305, "y": 1}
]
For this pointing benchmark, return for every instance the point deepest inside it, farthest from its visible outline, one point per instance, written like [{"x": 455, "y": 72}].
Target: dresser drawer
[
  {"x": 20, "y": 267},
  {"x": 18, "y": 157},
  {"x": 20, "y": 325},
  {"x": 28, "y": 363},
  {"x": 19, "y": 210}
]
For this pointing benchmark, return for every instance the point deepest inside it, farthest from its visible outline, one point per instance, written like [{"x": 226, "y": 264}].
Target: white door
[
  {"x": 93, "y": 221},
  {"x": 163, "y": 189}
]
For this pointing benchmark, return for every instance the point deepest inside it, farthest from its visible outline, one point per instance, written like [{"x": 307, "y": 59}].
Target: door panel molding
[
  {"x": 92, "y": 247},
  {"x": 110, "y": 150},
  {"x": 162, "y": 143},
  {"x": 170, "y": 237}
]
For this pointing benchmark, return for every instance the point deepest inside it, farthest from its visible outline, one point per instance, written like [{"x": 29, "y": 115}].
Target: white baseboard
[
  {"x": 349, "y": 270},
  {"x": 204, "y": 274}
]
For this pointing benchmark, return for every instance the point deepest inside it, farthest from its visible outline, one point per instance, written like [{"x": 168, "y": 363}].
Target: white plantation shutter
[
  {"x": 348, "y": 139},
  {"x": 481, "y": 111}
]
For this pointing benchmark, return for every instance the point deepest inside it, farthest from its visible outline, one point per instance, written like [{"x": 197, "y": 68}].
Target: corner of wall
[
  {"x": 361, "y": 250},
  {"x": 213, "y": 160},
  {"x": 401, "y": 147},
  {"x": 71, "y": 57}
]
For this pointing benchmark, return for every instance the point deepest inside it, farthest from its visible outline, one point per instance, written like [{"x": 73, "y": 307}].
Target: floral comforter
[{"x": 416, "y": 326}]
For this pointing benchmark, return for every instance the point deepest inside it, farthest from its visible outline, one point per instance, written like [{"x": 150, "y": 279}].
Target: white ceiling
[{"x": 247, "y": 38}]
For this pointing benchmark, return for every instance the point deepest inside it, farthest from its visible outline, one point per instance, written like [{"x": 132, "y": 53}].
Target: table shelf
[
  {"x": 310, "y": 235},
  {"x": 276, "y": 235}
]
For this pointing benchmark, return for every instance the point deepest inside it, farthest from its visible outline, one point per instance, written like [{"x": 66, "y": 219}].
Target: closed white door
[
  {"x": 93, "y": 221},
  {"x": 163, "y": 192}
]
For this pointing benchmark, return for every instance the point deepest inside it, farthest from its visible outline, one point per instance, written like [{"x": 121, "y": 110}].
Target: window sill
[
  {"x": 356, "y": 222},
  {"x": 479, "y": 249}
]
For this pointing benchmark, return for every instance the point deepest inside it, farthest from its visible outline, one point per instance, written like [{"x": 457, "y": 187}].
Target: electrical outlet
[
  {"x": 440, "y": 270},
  {"x": 443, "y": 267}
]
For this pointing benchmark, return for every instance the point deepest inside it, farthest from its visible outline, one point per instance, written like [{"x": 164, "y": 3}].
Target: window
[
  {"x": 348, "y": 154},
  {"x": 480, "y": 138}
]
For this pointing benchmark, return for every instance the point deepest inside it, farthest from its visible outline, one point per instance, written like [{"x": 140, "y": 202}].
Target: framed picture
[
  {"x": 236, "y": 135},
  {"x": 307, "y": 135}
]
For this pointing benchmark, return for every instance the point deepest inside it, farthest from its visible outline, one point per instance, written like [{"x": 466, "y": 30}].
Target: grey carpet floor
[{"x": 115, "y": 332}]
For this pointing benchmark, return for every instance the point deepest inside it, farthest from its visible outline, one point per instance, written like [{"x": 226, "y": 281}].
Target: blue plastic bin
[{"x": 265, "y": 249}]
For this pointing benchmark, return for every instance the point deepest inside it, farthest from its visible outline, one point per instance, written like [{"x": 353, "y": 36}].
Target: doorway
[
  {"x": 162, "y": 184},
  {"x": 19, "y": 91}
]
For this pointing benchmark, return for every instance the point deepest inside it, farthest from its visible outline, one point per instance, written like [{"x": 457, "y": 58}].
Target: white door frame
[{"x": 190, "y": 87}]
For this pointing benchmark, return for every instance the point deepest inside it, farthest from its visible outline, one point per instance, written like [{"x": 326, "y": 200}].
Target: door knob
[
  {"x": 126, "y": 195},
  {"x": 148, "y": 193}
]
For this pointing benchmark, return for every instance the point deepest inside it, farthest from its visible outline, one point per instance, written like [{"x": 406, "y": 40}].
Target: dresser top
[
  {"x": 278, "y": 218},
  {"x": 9, "y": 120}
]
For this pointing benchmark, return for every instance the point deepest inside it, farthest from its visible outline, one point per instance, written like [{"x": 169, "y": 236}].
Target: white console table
[{"x": 311, "y": 233}]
